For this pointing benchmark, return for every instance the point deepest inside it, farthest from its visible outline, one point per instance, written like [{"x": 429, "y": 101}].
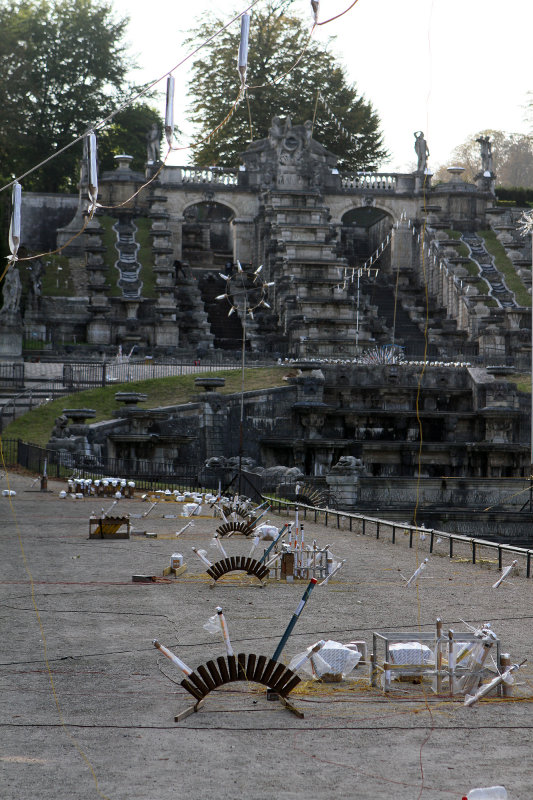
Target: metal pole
[
  {"x": 357, "y": 317},
  {"x": 241, "y": 423},
  {"x": 294, "y": 619}
]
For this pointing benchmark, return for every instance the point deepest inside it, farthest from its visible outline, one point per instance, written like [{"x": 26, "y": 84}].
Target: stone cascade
[{"x": 488, "y": 271}]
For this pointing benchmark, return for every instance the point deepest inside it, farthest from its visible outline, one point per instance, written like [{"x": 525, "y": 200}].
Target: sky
[{"x": 449, "y": 68}]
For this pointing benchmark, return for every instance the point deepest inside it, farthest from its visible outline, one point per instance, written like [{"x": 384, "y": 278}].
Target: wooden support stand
[
  {"x": 238, "y": 564},
  {"x": 109, "y": 528},
  {"x": 278, "y": 678}
]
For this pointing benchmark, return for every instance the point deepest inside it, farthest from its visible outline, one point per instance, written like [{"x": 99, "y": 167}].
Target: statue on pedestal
[
  {"x": 485, "y": 146},
  {"x": 11, "y": 291},
  {"x": 421, "y": 150},
  {"x": 153, "y": 144}
]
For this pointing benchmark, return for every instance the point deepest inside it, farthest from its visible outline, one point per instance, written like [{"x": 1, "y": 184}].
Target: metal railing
[
  {"x": 146, "y": 474},
  {"x": 370, "y": 181},
  {"x": 456, "y": 545}
]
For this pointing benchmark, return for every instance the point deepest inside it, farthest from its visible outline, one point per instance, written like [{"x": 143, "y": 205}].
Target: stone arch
[
  {"x": 206, "y": 230},
  {"x": 363, "y": 229}
]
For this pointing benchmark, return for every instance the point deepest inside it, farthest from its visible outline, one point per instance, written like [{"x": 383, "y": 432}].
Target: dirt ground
[{"x": 89, "y": 703}]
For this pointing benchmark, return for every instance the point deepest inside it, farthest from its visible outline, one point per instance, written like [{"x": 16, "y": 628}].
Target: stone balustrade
[
  {"x": 370, "y": 181},
  {"x": 217, "y": 175}
]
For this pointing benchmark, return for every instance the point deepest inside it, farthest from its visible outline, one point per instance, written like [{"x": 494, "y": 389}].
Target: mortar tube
[
  {"x": 148, "y": 511},
  {"x": 504, "y": 574},
  {"x": 438, "y": 658},
  {"x": 173, "y": 657},
  {"x": 281, "y": 533},
  {"x": 331, "y": 574},
  {"x": 178, "y": 533},
  {"x": 451, "y": 662},
  {"x": 294, "y": 619},
  {"x": 504, "y": 678},
  {"x": 417, "y": 572},
  {"x": 254, "y": 545},
  {"x": 220, "y": 546},
  {"x": 478, "y": 658},
  {"x": 267, "y": 509},
  {"x": 318, "y": 646},
  {"x": 111, "y": 507},
  {"x": 225, "y": 632},
  {"x": 258, "y": 508},
  {"x": 219, "y": 508},
  {"x": 202, "y": 557},
  {"x": 269, "y": 563}
]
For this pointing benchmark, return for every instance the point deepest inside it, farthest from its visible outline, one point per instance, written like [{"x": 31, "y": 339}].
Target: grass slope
[
  {"x": 506, "y": 267},
  {"x": 36, "y": 426}
]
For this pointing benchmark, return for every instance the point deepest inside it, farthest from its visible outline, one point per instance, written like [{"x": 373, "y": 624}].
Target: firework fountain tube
[
  {"x": 331, "y": 574},
  {"x": 504, "y": 574},
  {"x": 225, "y": 632},
  {"x": 173, "y": 657},
  {"x": 417, "y": 572},
  {"x": 202, "y": 555},
  {"x": 506, "y": 677}
]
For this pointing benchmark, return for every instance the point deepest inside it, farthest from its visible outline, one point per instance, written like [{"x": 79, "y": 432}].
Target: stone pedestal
[
  {"x": 346, "y": 490},
  {"x": 10, "y": 336}
]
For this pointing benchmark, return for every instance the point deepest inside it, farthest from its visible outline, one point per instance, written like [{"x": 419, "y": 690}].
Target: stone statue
[
  {"x": 421, "y": 150},
  {"x": 153, "y": 144},
  {"x": 11, "y": 291},
  {"x": 485, "y": 147},
  {"x": 348, "y": 465},
  {"x": 36, "y": 272}
]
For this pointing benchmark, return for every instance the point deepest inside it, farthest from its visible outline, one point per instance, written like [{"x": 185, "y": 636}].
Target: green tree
[
  {"x": 63, "y": 67},
  {"x": 276, "y": 41},
  {"x": 127, "y": 134},
  {"x": 512, "y": 156}
]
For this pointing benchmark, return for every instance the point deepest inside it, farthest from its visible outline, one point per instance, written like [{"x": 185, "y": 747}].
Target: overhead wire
[{"x": 103, "y": 122}]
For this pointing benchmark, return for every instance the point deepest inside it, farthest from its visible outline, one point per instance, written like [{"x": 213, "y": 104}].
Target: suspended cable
[{"x": 102, "y": 123}]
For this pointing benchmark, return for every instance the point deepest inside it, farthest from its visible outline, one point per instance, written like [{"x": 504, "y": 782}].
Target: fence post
[{"x": 104, "y": 369}]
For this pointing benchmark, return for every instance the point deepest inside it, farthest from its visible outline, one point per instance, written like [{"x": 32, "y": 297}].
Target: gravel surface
[{"x": 89, "y": 703}]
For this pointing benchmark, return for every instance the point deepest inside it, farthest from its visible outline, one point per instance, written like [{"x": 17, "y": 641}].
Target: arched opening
[
  {"x": 363, "y": 231},
  {"x": 206, "y": 234}
]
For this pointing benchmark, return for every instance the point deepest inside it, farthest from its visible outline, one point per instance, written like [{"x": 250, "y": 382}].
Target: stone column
[
  {"x": 99, "y": 328},
  {"x": 401, "y": 248},
  {"x": 166, "y": 328},
  {"x": 243, "y": 239}
]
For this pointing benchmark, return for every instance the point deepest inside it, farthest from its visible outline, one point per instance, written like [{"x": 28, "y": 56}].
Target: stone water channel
[{"x": 487, "y": 270}]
